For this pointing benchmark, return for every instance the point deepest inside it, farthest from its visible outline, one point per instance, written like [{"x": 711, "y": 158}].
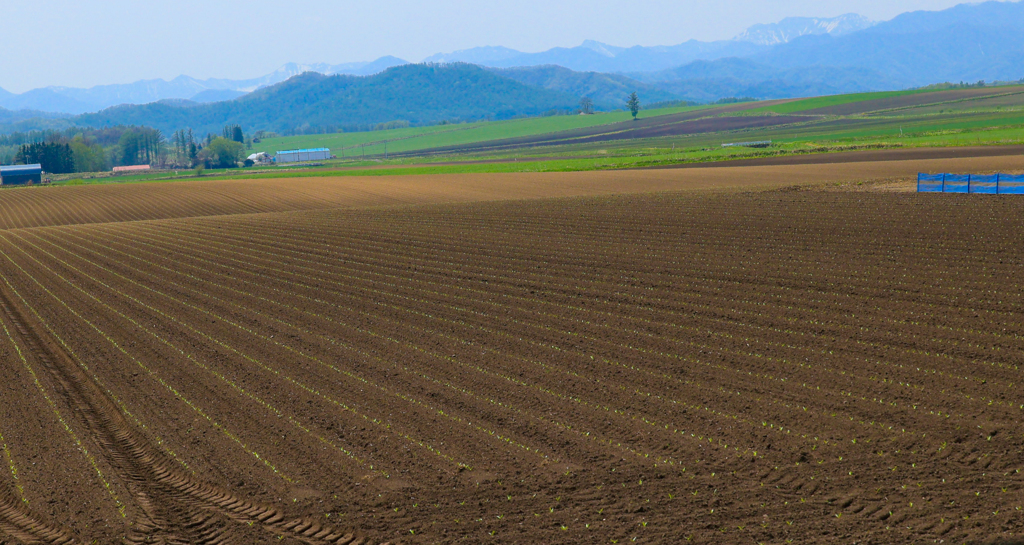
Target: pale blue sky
[{"x": 85, "y": 43}]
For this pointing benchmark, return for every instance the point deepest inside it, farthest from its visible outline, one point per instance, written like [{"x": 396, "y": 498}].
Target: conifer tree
[{"x": 633, "y": 103}]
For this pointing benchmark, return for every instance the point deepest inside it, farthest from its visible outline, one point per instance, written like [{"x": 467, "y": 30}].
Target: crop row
[
  {"x": 695, "y": 283},
  {"x": 293, "y": 258},
  {"x": 221, "y": 318}
]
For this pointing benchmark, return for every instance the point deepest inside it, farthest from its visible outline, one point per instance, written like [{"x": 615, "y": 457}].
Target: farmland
[
  {"x": 893, "y": 122},
  {"x": 418, "y": 138},
  {"x": 891, "y": 119},
  {"x": 752, "y": 354}
]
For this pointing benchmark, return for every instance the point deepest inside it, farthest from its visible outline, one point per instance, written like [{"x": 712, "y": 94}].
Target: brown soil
[
  {"x": 866, "y": 156},
  {"x": 771, "y": 361},
  {"x": 984, "y": 103}
]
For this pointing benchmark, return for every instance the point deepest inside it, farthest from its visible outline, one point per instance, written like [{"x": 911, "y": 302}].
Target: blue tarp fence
[
  {"x": 991, "y": 184},
  {"x": 984, "y": 184}
]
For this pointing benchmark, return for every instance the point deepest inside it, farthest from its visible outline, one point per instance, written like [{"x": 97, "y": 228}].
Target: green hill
[
  {"x": 609, "y": 91},
  {"x": 418, "y": 94}
]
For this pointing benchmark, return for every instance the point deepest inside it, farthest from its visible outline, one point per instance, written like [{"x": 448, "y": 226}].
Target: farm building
[
  {"x": 21, "y": 174},
  {"x": 296, "y": 156},
  {"x": 261, "y": 158}
]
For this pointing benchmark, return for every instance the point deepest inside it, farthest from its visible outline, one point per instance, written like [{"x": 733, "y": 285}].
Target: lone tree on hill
[
  {"x": 586, "y": 106},
  {"x": 633, "y": 103}
]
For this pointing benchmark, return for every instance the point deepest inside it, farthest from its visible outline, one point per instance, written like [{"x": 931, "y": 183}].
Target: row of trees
[
  {"x": 186, "y": 149},
  {"x": 215, "y": 152},
  {"x": 96, "y": 150},
  {"x": 142, "y": 146},
  {"x": 54, "y": 157},
  {"x": 84, "y": 150}
]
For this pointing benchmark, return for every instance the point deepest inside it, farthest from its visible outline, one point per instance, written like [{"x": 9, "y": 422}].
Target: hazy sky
[{"x": 92, "y": 42}]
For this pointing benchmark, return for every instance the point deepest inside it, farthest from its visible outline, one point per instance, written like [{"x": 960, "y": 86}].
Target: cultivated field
[
  {"x": 419, "y": 138},
  {"x": 900, "y": 118},
  {"x": 701, "y": 355}
]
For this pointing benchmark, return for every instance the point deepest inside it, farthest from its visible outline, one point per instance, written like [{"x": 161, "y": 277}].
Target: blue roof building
[
  {"x": 299, "y": 155},
  {"x": 21, "y": 174}
]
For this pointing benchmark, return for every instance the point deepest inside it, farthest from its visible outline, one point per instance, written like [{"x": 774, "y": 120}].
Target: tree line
[
  {"x": 55, "y": 157},
  {"x": 97, "y": 150},
  {"x": 84, "y": 150},
  {"x": 224, "y": 151}
]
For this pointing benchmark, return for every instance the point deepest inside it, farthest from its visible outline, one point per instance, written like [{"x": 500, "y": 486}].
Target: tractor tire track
[
  {"x": 175, "y": 508},
  {"x": 26, "y": 528}
]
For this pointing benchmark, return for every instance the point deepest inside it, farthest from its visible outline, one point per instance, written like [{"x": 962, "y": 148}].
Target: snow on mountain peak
[
  {"x": 794, "y": 27},
  {"x": 609, "y": 51}
]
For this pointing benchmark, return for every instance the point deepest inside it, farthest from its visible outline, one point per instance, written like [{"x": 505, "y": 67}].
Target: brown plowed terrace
[{"x": 650, "y": 357}]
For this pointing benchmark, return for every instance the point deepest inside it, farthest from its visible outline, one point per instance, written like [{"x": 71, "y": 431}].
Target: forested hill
[
  {"x": 608, "y": 91},
  {"x": 414, "y": 93}
]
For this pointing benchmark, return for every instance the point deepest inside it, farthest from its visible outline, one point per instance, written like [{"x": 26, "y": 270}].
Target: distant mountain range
[
  {"x": 70, "y": 100},
  {"x": 598, "y": 57},
  {"x": 707, "y": 81},
  {"x": 591, "y": 56},
  {"x": 792, "y": 58},
  {"x": 969, "y": 42}
]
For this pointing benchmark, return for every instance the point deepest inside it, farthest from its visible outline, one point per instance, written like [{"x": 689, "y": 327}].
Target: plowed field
[{"x": 734, "y": 366}]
